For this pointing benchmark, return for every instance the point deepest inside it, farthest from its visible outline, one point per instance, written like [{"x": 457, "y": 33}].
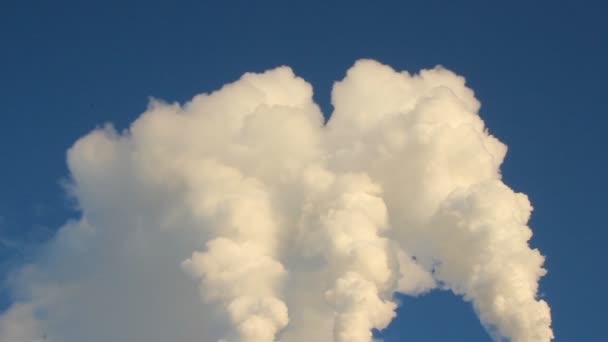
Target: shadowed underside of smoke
[{"x": 242, "y": 216}]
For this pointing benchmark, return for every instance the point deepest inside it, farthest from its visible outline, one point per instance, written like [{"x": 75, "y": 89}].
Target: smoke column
[{"x": 242, "y": 216}]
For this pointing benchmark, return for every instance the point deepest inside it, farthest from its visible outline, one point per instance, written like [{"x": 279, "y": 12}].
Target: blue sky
[{"x": 538, "y": 68}]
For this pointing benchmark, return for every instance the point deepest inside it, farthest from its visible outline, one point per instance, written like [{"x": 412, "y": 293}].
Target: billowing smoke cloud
[{"x": 242, "y": 216}]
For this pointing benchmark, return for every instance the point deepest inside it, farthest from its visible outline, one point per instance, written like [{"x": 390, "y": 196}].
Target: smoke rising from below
[{"x": 242, "y": 216}]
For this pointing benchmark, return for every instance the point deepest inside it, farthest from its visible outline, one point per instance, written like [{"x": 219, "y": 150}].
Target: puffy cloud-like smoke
[{"x": 242, "y": 216}]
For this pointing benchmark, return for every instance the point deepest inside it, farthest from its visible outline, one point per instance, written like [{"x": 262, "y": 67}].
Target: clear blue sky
[{"x": 538, "y": 67}]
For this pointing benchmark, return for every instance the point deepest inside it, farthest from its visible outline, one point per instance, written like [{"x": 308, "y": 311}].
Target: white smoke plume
[{"x": 241, "y": 216}]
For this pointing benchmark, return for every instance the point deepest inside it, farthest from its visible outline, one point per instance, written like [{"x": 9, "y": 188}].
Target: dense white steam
[{"x": 241, "y": 216}]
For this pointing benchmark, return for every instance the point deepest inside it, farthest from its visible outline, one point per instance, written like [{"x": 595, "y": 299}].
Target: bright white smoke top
[{"x": 241, "y": 216}]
